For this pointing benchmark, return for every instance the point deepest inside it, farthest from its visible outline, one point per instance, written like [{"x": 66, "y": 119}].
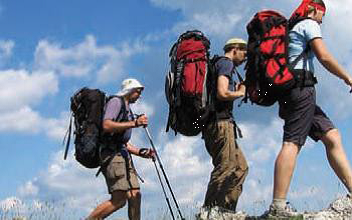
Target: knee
[
  {"x": 135, "y": 195},
  {"x": 118, "y": 200},
  {"x": 290, "y": 150},
  {"x": 331, "y": 138}
]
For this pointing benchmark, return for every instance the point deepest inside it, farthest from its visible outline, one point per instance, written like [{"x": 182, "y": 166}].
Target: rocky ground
[{"x": 340, "y": 209}]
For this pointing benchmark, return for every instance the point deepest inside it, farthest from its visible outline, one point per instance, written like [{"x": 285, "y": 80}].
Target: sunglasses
[
  {"x": 241, "y": 48},
  {"x": 138, "y": 90}
]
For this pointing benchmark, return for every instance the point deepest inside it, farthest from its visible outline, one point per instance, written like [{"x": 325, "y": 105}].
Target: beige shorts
[{"x": 120, "y": 174}]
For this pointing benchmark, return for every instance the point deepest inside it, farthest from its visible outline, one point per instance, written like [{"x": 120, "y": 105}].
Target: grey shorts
[
  {"x": 302, "y": 116},
  {"x": 120, "y": 174}
]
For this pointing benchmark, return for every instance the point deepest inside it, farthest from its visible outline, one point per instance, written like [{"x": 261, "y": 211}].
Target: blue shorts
[{"x": 303, "y": 117}]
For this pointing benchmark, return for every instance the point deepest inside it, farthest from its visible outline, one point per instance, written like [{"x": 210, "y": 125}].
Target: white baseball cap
[{"x": 128, "y": 85}]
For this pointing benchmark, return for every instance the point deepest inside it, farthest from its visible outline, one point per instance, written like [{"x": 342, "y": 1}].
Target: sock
[{"x": 279, "y": 203}]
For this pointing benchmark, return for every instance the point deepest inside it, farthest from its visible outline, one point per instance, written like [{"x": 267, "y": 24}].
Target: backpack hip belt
[{"x": 304, "y": 78}]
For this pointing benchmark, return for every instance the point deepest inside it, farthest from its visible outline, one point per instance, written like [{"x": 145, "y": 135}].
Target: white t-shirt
[{"x": 299, "y": 38}]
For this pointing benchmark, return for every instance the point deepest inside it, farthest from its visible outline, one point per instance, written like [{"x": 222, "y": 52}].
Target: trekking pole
[
  {"x": 165, "y": 176},
  {"x": 68, "y": 135},
  {"x": 162, "y": 186}
]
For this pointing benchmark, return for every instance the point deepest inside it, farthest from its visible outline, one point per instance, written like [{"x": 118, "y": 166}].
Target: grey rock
[{"x": 340, "y": 209}]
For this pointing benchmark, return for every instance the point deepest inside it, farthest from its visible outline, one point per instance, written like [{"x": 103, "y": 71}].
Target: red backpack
[
  {"x": 186, "y": 83},
  {"x": 268, "y": 71}
]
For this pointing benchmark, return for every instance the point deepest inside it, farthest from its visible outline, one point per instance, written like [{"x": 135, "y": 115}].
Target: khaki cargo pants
[{"x": 230, "y": 166}]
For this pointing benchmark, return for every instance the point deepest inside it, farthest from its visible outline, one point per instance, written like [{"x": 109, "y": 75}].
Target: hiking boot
[
  {"x": 288, "y": 212},
  {"x": 342, "y": 205}
]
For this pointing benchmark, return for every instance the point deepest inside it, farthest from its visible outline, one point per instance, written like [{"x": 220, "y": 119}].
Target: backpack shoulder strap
[
  {"x": 304, "y": 55},
  {"x": 240, "y": 78},
  {"x": 292, "y": 23},
  {"x": 123, "y": 114},
  {"x": 217, "y": 58}
]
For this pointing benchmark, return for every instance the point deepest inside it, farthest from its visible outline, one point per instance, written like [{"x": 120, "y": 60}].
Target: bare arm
[
  {"x": 111, "y": 126},
  {"x": 328, "y": 61},
  {"x": 132, "y": 149},
  {"x": 223, "y": 92}
]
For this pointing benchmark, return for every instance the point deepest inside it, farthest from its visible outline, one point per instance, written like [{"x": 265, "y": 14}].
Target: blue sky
[{"x": 49, "y": 49}]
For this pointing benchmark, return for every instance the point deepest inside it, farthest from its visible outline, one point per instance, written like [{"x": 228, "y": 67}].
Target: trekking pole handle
[{"x": 137, "y": 116}]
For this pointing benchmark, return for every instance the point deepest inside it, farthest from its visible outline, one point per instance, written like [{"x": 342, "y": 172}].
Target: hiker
[
  {"x": 219, "y": 134},
  {"x": 118, "y": 168},
  {"x": 302, "y": 116}
]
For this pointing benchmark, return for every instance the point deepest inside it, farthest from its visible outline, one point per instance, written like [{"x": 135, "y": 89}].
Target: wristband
[
  {"x": 135, "y": 123},
  {"x": 142, "y": 152}
]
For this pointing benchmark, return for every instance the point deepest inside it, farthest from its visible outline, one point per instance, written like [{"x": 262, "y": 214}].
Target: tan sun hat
[
  {"x": 128, "y": 85},
  {"x": 233, "y": 41}
]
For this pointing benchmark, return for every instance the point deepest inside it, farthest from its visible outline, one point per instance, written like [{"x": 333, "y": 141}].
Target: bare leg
[
  {"x": 337, "y": 157},
  {"x": 284, "y": 167},
  {"x": 117, "y": 201},
  {"x": 134, "y": 204}
]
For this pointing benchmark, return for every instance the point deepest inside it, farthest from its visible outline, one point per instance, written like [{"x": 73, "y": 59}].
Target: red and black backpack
[
  {"x": 186, "y": 83},
  {"x": 268, "y": 71}
]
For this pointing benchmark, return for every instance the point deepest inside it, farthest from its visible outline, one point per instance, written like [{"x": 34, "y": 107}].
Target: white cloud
[
  {"x": 86, "y": 58},
  {"x": 187, "y": 166},
  {"x": 28, "y": 121},
  {"x": 142, "y": 107},
  {"x": 19, "y": 88},
  {"x": 56, "y": 127},
  {"x": 66, "y": 182},
  {"x": 215, "y": 21},
  {"x": 209, "y": 23},
  {"x": 180, "y": 156},
  {"x": 24, "y": 119},
  {"x": 184, "y": 161},
  {"x": 219, "y": 18},
  {"x": 6, "y": 47},
  {"x": 256, "y": 195},
  {"x": 261, "y": 141},
  {"x": 28, "y": 189}
]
